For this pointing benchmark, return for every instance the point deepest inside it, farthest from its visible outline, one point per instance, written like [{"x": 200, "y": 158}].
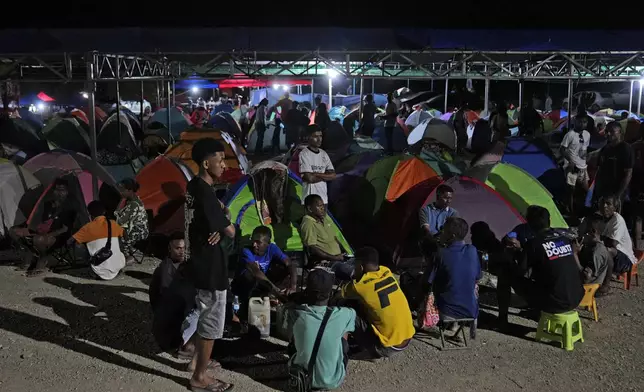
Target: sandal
[
  {"x": 212, "y": 365},
  {"x": 218, "y": 386}
]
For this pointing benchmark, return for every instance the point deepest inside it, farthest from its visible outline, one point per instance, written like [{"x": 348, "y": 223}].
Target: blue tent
[
  {"x": 400, "y": 139},
  {"x": 178, "y": 122},
  {"x": 534, "y": 156},
  {"x": 225, "y": 122}
]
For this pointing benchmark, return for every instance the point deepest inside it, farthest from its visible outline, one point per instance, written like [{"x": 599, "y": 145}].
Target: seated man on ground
[
  {"x": 265, "y": 270},
  {"x": 554, "y": 285},
  {"x": 456, "y": 274},
  {"x": 318, "y": 236},
  {"x": 329, "y": 369},
  {"x": 95, "y": 236},
  {"x": 615, "y": 235},
  {"x": 433, "y": 216},
  {"x": 595, "y": 260},
  {"x": 164, "y": 274},
  {"x": 51, "y": 234},
  {"x": 384, "y": 326}
]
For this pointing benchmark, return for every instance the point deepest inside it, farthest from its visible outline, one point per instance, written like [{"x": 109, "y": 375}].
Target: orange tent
[
  {"x": 163, "y": 184},
  {"x": 79, "y": 114},
  {"x": 100, "y": 113},
  {"x": 236, "y": 162}
]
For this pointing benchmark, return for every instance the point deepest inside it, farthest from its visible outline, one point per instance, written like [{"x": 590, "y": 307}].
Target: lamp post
[{"x": 331, "y": 73}]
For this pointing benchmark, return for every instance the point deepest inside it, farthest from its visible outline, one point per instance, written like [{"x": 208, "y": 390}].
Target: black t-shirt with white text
[
  {"x": 555, "y": 272},
  {"x": 204, "y": 216}
]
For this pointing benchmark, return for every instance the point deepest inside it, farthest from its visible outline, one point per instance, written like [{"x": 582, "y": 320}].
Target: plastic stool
[{"x": 564, "y": 328}]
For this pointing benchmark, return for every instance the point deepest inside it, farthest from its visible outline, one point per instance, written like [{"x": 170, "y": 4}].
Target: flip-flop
[
  {"x": 34, "y": 273},
  {"x": 212, "y": 365},
  {"x": 214, "y": 387}
]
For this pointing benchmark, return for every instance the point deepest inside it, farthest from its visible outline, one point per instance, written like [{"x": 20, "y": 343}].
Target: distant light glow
[
  {"x": 41, "y": 106},
  {"x": 331, "y": 73},
  {"x": 85, "y": 95},
  {"x": 285, "y": 87},
  {"x": 276, "y": 86},
  {"x": 195, "y": 89}
]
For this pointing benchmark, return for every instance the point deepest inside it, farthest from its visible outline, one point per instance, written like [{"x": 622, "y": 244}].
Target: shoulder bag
[
  {"x": 105, "y": 252},
  {"x": 301, "y": 379}
]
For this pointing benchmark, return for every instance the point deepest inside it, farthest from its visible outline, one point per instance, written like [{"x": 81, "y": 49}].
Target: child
[
  {"x": 263, "y": 270},
  {"x": 594, "y": 257}
]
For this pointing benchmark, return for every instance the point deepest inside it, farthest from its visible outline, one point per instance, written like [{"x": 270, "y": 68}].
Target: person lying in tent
[
  {"x": 57, "y": 221},
  {"x": 132, "y": 217},
  {"x": 95, "y": 236},
  {"x": 384, "y": 326},
  {"x": 265, "y": 270},
  {"x": 320, "y": 240}
]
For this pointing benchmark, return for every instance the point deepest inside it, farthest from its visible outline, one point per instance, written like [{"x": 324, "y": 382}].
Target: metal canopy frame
[{"x": 601, "y": 66}]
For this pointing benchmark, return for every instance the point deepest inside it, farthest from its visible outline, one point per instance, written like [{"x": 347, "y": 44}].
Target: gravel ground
[{"x": 60, "y": 332}]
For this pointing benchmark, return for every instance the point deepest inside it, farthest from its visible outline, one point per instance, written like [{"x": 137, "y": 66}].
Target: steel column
[
  {"x": 446, "y": 93},
  {"x": 91, "y": 102},
  {"x": 630, "y": 98}
]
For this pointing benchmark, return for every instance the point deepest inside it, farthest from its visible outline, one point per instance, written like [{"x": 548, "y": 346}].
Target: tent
[
  {"x": 67, "y": 161},
  {"x": 100, "y": 114},
  {"x": 19, "y": 191},
  {"x": 441, "y": 163},
  {"x": 268, "y": 138},
  {"x": 19, "y": 133},
  {"x": 133, "y": 119},
  {"x": 236, "y": 161},
  {"x": 360, "y": 161},
  {"x": 179, "y": 122},
  {"x": 476, "y": 201},
  {"x": 399, "y": 136},
  {"x": 79, "y": 193},
  {"x": 434, "y": 129},
  {"x": 254, "y": 201},
  {"x": 67, "y": 133},
  {"x": 519, "y": 188},
  {"x": 163, "y": 184},
  {"x": 533, "y": 156},
  {"x": 226, "y": 123},
  {"x": 117, "y": 136},
  {"x": 35, "y": 120},
  {"x": 364, "y": 143}
]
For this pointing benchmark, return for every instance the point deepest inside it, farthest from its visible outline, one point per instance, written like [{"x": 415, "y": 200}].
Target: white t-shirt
[
  {"x": 572, "y": 143},
  {"x": 616, "y": 230},
  {"x": 316, "y": 163}
]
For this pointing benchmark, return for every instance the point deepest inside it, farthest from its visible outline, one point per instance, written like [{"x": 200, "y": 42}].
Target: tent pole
[
  {"x": 569, "y": 101},
  {"x": 312, "y": 93},
  {"x": 520, "y": 93},
  {"x": 168, "y": 112},
  {"x": 118, "y": 104},
  {"x": 487, "y": 96},
  {"x": 142, "y": 108},
  {"x": 158, "y": 96},
  {"x": 91, "y": 89},
  {"x": 330, "y": 93},
  {"x": 630, "y": 98},
  {"x": 639, "y": 101},
  {"x": 373, "y": 86},
  {"x": 361, "y": 101},
  {"x": 174, "y": 90},
  {"x": 446, "y": 93}
]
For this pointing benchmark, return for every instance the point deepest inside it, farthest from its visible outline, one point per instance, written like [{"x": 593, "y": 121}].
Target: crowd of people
[{"x": 352, "y": 305}]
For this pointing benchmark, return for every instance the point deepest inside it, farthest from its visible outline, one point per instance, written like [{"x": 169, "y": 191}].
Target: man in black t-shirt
[
  {"x": 206, "y": 222},
  {"x": 547, "y": 273},
  {"x": 615, "y": 165}
]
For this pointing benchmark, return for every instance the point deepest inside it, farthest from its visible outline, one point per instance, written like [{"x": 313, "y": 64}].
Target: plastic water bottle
[
  {"x": 236, "y": 304},
  {"x": 485, "y": 258}
]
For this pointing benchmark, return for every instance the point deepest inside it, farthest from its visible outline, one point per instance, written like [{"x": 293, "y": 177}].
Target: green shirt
[
  {"x": 321, "y": 235},
  {"x": 328, "y": 371}
]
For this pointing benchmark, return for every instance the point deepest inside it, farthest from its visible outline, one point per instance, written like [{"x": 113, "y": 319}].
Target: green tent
[
  {"x": 245, "y": 206},
  {"x": 518, "y": 188},
  {"x": 67, "y": 133}
]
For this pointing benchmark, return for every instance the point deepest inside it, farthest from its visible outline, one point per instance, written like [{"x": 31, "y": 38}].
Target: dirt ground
[{"x": 61, "y": 332}]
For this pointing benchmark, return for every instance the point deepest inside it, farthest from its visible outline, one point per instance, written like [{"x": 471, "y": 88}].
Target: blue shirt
[
  {"x": 457, "y": 272},
  {"x": 328, "y": 371},
  {"x": 434, "y": 217},
  {"x": 263, "y": 261}
]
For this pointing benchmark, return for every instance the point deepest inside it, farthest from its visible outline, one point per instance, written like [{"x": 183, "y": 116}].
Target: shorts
[
  {"x": 212, "y": 317},
  {"x": 575, "y": 176}
]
